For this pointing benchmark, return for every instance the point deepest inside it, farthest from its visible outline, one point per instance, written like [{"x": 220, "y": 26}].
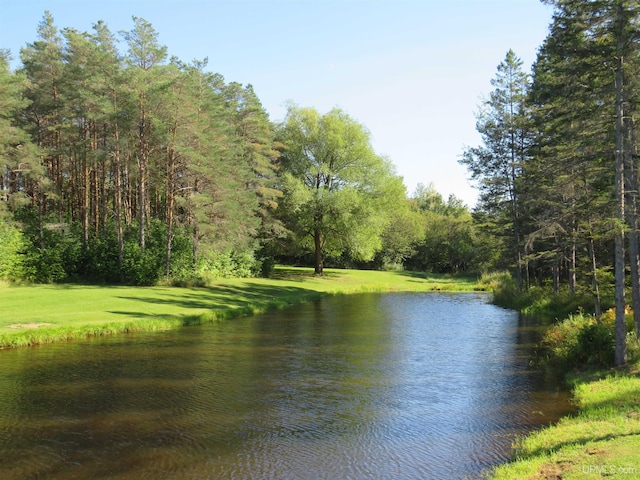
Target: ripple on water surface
[{"x": 411, "y": 386}]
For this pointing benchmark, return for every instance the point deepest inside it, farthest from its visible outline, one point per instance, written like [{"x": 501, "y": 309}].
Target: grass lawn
[
  {"x": 38, "y": 314},
  {"x": 601, "y": 441}
]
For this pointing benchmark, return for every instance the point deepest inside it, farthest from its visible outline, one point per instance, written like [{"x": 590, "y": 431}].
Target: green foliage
[
  {"x": 95, "y": 143},
  {"x": 494, "y": 281},
  {"x": 338, "y": 194},
  {"x": 228, "y": 265},
  {"x": 400, "y": 237},
  {"x": 51, "y": 255},
  {"x": 604, "y": 432},
  {"x": 581, "y": 340},
  {"x": 448, "y": 244},
  {"x": 12, "y": 245},
  {"x": 449, "y": 240},
  {"x": 141, "y": 266},
  {"x": 541, "y": 301}
]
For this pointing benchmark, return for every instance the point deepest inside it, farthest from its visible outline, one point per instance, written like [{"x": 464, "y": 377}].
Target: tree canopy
[
  {"x": 338, "y": 192},
  {"x": 564, "y": 150}
]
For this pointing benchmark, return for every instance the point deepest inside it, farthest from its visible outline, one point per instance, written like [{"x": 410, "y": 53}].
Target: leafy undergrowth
[{"x": 40, "y": 314}]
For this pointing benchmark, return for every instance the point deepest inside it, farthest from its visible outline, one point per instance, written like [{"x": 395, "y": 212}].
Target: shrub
[
  {"x": 141, "y": 267},
  {"x": 495, "y": 280},
  {"x": 229, "y": 264},
  {"x": 12, "y": 245},
  {"x": 581, "y": 340},
  {"x": 596, "y": 345},
  {"x": 52, "y": 258}
]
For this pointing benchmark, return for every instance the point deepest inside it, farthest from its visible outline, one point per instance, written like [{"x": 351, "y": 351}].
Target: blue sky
[{"x": 412, "y": 71}]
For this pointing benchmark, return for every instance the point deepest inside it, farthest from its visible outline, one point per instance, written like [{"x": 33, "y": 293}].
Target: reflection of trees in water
[{"x": 350, "y": 385}]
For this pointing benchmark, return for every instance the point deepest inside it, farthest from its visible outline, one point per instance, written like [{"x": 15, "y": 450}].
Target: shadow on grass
[
  {"x": 436, "y": 277},
  {"x": 300, "y": 274},
  {"x": 601, "y": 420},
  {"x": 223, "y": 301}
]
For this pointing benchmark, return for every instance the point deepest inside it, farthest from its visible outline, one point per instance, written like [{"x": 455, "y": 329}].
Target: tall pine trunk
[
  {"x": 170, "y": 193},
  {"x": 117, "y": 160},
  {"x": 634, "y": 254},
  {"x": 620, "y": 326},
  {"x": 594, "y": 280},
  {"x": 142, "y": 180}
]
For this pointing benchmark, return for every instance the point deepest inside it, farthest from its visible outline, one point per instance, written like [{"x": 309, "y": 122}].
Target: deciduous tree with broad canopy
[{"x": 339, "y": 193}]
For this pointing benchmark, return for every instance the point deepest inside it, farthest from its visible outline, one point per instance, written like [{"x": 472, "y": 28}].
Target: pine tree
[
  {"x": 42, "y": 61},
  {"x": 568, "y": 169},
  {"x": 498, "y": 164},
  {"x": 259, "y": 151},
  {"x": 118, "y": 104},
  {"x": 146, "y": 55},
  {"x": 19, "y": 157},
  {"x": 604, "y": 44}
]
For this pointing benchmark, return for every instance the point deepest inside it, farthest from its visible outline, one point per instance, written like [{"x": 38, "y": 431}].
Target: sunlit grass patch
[
  {"x": 604, "y": 433},
  {"x": 39, "y": 314}
]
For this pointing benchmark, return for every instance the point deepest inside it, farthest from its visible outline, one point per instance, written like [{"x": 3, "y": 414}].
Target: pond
[{"x": 370, "y": 386}]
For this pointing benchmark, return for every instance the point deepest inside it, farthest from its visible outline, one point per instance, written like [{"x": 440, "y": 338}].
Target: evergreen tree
[
  {"x": 259, "y": 151},
  {"x": 19, "y": 159},
  {"x": 43, "y": 67},
  {"x": 146, "y": 55},
  {"x": 497, "y": 165},
  {"x": 604, "y": 43},
  {"x": 118, "y": 105}
]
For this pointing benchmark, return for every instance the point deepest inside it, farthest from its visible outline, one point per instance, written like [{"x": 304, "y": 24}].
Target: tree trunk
[
  {"x": 594, "y": 281},
  {"x": 634, "y": 255},
  {"x": 85, "y": 188},
  {"x": 572, "y": 267},
  {"x": 620, "y": 326},
  {"x": 317, "y": 237},
  {"x": 194, "y": 224},
  {"x": 118, "y": 199},
  {"x": 630, "y": 155},
  {"x": 169, "y": 207},
  {"x": 142, "y": 181}
]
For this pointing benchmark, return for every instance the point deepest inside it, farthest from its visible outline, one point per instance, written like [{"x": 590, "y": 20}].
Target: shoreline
[
  {"x": 44, "y": 314},
  {"x": 600, "y": 440}
]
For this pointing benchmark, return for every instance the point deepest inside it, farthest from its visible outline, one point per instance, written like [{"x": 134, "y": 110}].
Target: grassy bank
[
  {"x": 39, "y": 314},
  {"x": 601, "y": 441}
]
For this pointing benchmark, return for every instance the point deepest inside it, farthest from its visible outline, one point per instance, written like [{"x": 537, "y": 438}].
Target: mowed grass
[
  {"x": 601, "y": 441},
  {"x": 40, "y": 314}
]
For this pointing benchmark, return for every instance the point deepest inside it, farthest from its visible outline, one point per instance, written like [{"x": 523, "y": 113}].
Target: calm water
[{"x": 375, "y": 386}]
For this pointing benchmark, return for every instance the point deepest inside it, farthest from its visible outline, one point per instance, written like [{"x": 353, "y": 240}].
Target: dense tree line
[
  {"x": 558, "y": 168},
  {"x": 126, "y": 168},
  {"x": 119, "y": 164}
]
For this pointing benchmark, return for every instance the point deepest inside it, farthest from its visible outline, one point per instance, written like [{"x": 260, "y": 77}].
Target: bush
[
  {"x": 53, "y": 258},
  {"x": 535, "y": 300},
  {"x": 229, "y": 264},
  {"x": 141, "y": 267},
  {"x": 596, "y": 345},
  {"x": 100, "y": 259},
  {"x": 494, "y": 281},
  {"x": 12, "y": 245},
  {"x": 633, "y": 348},
  {"x": 580, "y": 340}
]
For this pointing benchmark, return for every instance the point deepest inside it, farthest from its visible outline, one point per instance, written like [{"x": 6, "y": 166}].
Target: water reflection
[{"x": 367, "y": 386}]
